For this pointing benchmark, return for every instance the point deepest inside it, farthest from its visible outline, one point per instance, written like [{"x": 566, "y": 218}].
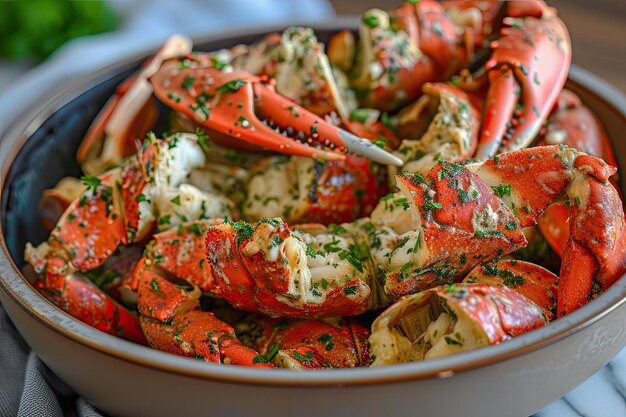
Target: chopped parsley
[
  {"x": 90, "y": 181},
  {"x": 303, "y": 358},
  {"x": 431, "y": 205},
  {"x": 232, "y": 86},
  {"x": 188, "y": 82},
  {"x": 371, "y": 21},
  {"x": 502, "y": 190},
  {"x": 272, "y": 351}
]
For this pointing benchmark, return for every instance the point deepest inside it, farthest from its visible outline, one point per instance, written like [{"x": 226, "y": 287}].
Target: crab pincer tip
[{"x": 362, "y": 147}]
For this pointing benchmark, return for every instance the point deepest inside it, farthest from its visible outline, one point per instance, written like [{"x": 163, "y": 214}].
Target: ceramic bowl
[{"x": 121, "y": 378}]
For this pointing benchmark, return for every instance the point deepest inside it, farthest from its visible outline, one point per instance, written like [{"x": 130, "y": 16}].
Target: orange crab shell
[
  {"x": 341, "y": 345},
  {"x": 501, "y": 312}
]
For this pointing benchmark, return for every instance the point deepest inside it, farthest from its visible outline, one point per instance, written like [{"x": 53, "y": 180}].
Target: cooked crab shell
[{"x": 450, "y": 319}]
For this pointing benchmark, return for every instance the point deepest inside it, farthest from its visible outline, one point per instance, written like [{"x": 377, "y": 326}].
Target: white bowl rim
[{"x": 16, "y": 287}]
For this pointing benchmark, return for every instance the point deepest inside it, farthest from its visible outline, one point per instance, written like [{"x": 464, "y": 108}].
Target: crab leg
[
  {"x": 247, "y": 108},
  {"x": 171, "y": 321},
  {"x": 91, "y": 231}
]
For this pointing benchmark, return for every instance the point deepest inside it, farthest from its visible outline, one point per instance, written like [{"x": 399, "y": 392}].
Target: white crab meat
[
  {"x": 318, "y": 262},
  {"x": 421, "y": 328},
  {"x": 396, "y": 240},
  {"x": 448, "y": 136},
  {"x": 187, "y": 203},
  {"x": 301, "y": 69},
  {"x": 291, "y": 180}
]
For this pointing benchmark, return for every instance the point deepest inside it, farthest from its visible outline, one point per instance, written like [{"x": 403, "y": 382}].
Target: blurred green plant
[{"x": 33, "y": 29}]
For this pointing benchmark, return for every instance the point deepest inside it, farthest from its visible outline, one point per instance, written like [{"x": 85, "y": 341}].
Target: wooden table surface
[{"x": 597, "y": 29}]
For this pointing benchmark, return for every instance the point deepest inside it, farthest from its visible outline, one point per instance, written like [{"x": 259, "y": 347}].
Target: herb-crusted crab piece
[{"x": 450, "y": 319}]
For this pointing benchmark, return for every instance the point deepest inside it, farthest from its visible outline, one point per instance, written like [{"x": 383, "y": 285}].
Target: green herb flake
[
  {"x": 232, "y": 86},
  {"x": 303, "y": 358},
  {"x": 502, "y": 190},
  {"x": 361, "y": 115},
  {"x": 218, "y": 63},
  {"x": 272, "y": 351},
  {"x": 176, "y": 98},
  {"x": 90, "y": 181},
  {"x": 350, "y": 290},
  {"x": 196, "y": 229},
  {"x": 371, "y": 21},
  {"x": 142, "y": 198},
  {"x": 188, "y": 82},
  {"x": 431, "y": 205}
]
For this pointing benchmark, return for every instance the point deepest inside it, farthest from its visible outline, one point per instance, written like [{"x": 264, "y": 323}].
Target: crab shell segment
[
  {"x": 527, "y": 71},
  {"x": 172, "y": 322},
  {"x": 180, "y": 251},
  {"x": 92, "y": 227},
  {"x": 389, "y": 69},
  {"x": 267, "y": 268},
  {"x": 83, "y": 300},
  {"x": 529, "y": 279},
  {"x": 314, "y": 191},
  {"x": 200, "y": 335},
  {"x": 340, "y": 343},
  {"x": 530, "y": 180},
  {"x": 430, "y": 28},
  {"x": 451, "y": 319},
  {"x": 438, "y": 228}
]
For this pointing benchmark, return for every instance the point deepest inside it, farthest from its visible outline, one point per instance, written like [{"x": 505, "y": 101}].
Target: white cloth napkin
[{"x": 148, "y": 23}]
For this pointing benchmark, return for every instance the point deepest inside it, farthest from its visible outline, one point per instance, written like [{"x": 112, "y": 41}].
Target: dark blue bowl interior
[{"x": 47, "y": 156}]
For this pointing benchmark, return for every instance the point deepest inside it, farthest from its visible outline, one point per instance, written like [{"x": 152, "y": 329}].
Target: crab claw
[
  {"x": 450, "y": 319},
  {"x": 244, "y": 107},
  {"x": 526, "y": 71},
  {"x": 128, "y": 115}
]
